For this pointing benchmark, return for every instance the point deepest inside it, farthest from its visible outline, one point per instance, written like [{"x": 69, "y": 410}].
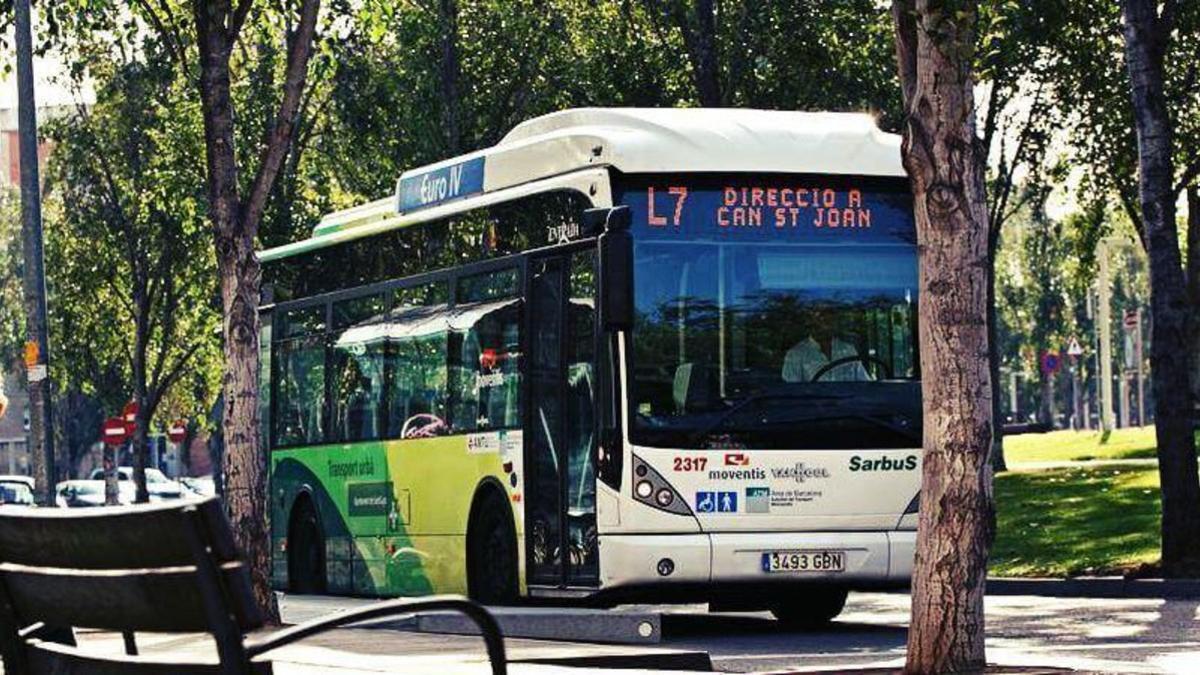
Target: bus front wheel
[
  {"x": 306, "y": 550},
  {"x": 811, "y": 608},
  {"x": 492, "y": 552}
]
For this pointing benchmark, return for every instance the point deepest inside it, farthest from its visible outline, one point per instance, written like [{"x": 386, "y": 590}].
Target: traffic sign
[
  {"x": 1132, "y": 319},
  {"x": 178, "y": 431},
  {"x": 129, "y": 413},
  {"x": 1051, "y": 362},
  {"x": 1074, "y": 348},
  {"x": 113, "y": 432}
]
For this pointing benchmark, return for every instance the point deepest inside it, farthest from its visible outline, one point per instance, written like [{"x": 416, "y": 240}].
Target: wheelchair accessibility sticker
[{"x": 716, "y": 502}]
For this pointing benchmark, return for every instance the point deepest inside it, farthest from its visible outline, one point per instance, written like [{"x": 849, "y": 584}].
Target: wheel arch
[{"x": 489, "y": 488}]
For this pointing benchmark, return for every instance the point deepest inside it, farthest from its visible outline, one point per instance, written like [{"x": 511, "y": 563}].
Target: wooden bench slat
[
  {"x": 62, "y": 660},
  {"x": 164, "y": 600},
  {"x": 142, "y": 536}
]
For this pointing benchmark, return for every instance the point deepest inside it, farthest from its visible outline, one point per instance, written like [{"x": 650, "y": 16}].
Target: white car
[
  {"x": 157, "y": 484},
  {"x": 15, "y": 492},
  {"x": 82, "y": 493}
]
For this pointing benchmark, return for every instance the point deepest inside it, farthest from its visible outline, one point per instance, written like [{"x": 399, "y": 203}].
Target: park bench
[{"x": 155, "y": 568}]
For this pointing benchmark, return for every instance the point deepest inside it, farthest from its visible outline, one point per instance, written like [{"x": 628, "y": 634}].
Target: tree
[
  {"x": 1147, "y": 32},
  {"x": 132, "y": 241},
  {"x": 935, "y": 44},
  {"x": 235, "y": 212},
  {"x": 1017, "y": 119}
]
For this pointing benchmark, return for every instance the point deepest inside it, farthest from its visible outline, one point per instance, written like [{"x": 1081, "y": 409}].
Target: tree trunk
[
  {"x": 704, "y": 55},
  {"x": 112, "y": 485},
  {"x": 235, "y": 224},
  {"x": 451, "y": 117},
  {"x": 998, "y": 462},
  {"x": 1193, "y": 283},
  {"x": 957, "y": 520},
  {"x": 1146, "y": 38},
  {"x": 245, "y": 466}
]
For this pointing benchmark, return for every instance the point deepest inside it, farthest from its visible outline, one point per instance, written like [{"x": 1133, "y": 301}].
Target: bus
[{"x": 622, "y": 355}]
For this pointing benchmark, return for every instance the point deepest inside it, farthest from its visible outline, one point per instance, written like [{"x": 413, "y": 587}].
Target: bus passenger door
[{"x": 560, "y": 506}]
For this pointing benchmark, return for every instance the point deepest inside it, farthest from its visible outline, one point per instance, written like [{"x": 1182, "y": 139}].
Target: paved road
[
  {"x": 1119, "y": 636},
  {"x": 1094, "y": 635}
]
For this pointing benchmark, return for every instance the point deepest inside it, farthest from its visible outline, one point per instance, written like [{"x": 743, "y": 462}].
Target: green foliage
[
  {"x": 12, "y": 308},
  {"x": 129, "y": 258}
]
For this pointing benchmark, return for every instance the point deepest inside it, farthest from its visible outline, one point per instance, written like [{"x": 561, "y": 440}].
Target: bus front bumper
[{"x": 872, "y": 559}]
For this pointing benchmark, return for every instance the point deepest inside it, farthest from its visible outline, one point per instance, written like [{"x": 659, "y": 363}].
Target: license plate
[{"x": 804, "y": 561}]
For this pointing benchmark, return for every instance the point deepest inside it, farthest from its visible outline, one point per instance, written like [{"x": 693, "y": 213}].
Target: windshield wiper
[{"x": 700, "y": 435}]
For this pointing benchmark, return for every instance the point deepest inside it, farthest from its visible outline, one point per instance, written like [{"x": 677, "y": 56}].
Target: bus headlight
[
  {"x": 653, "y": 490},
  {"x": 644, "y": 489}
]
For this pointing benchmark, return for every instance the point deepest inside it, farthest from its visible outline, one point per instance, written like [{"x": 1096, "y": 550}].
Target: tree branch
[
  {"x": 903, "y": 15},
  {"x": 239, "y": 19},
  {"x": 281, "y": 133}
]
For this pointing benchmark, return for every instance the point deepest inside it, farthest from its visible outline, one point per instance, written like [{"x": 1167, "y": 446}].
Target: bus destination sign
[
  {"x": 440, "y": 185},
  {"x": 752, "y": 207}
]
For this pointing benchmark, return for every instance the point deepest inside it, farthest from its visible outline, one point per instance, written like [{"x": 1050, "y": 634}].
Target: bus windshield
[{"x": 758, "y": 336}]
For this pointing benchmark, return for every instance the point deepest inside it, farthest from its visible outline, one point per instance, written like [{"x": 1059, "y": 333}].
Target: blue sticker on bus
[
  {"x": 716, "y": 502},
  {"x": 440, "y": 185}
]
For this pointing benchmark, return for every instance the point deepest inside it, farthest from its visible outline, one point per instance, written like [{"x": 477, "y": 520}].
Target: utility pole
[
  {"x": 1104, "y": 318},
  {"x": 37, "y": 348}
]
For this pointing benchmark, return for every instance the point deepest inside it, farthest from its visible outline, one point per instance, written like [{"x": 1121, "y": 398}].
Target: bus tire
[
  {"x": 492, "y": 551},
  {"x": 811, "y": 608},
  {"x": 306, "y": 549}
]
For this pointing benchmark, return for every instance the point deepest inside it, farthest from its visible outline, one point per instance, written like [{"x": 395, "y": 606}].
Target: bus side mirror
[{"x": 616, "y": 271}]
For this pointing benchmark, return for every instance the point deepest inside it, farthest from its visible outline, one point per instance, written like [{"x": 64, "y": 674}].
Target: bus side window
[
  {"x": 485, "y": 353},
  {"x": 299, "y": 365},
  {"x": 357, "y": 368},
  {"x": 417, "y": 350}
]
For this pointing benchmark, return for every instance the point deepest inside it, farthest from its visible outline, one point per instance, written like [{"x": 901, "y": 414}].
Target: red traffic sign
[
  {"x": 1051, "y": 362},
  {"x": 1132, "y": 319},
  {"x": 129, "y": 414},
  {"x": 178, "y": 431},
  {"x": 113, "y": 432}
]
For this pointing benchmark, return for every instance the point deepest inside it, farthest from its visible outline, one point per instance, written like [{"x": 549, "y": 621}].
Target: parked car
[
  {"x": 157, "y": 484},
  {"x": 15, "y": 478},
  {"x": 82, "y": 493},
  {"x": 16, "y": 492}
]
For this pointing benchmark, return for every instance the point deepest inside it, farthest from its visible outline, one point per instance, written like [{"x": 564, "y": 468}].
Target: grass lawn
[
  {"x": 1069, "y": 522},
  {"x": 1065, "y": 446}
]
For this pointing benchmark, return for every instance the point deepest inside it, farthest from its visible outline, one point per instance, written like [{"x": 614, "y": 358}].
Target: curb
[
  {"x": 1098, "y": 587},
  {"x": 693, "y": 661}
]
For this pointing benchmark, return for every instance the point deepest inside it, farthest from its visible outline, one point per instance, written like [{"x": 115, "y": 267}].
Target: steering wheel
[
  {"x": 860, "y": 358},
  {"x": 423, "y": 425}
]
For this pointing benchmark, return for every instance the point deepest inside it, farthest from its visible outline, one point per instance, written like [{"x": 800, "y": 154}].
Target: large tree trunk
[
  {"x": 245, "y": 465},
  {"x": 1193, "y": 283},
  {"x": 1146, "y": 38},
  {"x": 957, "y": 520},
  {"x": 235, "y": 224}
]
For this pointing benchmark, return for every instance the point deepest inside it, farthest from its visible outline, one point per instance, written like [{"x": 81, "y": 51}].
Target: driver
[{"x": 806, "y": 358}]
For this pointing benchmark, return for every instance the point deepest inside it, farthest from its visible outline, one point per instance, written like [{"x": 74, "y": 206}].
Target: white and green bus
[{"x": 624, "y": 354}]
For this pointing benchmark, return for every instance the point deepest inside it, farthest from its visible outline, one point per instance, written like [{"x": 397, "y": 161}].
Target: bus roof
[{"x": 632, "y": 140}]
